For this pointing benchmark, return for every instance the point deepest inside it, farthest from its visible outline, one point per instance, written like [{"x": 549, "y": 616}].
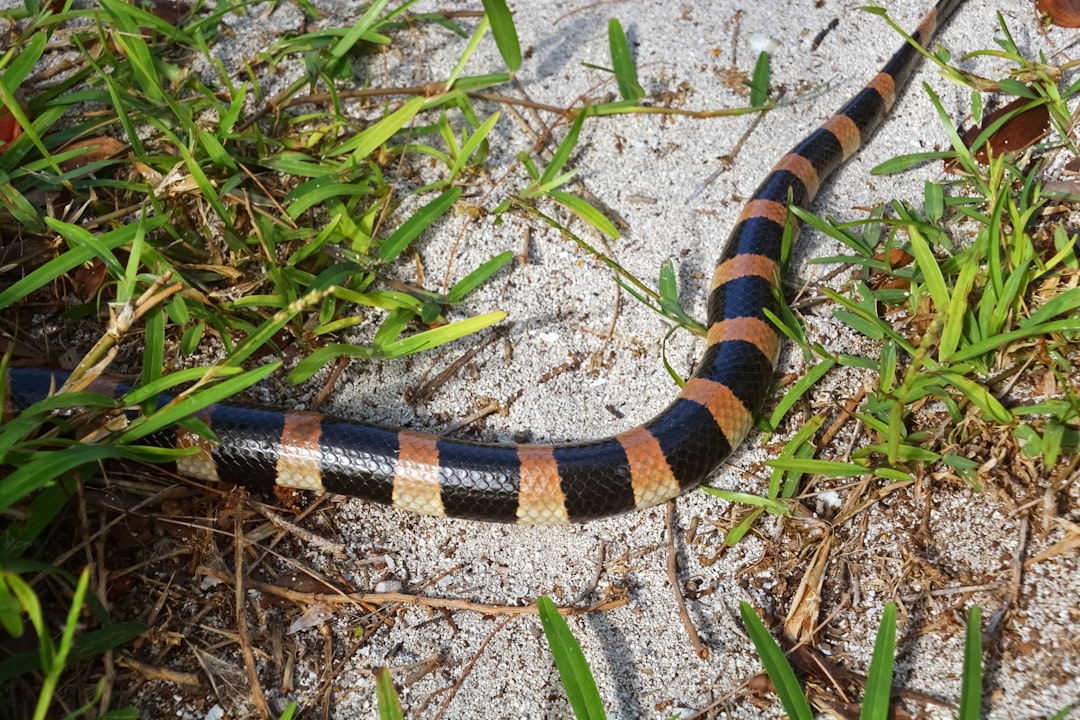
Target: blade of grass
[
  {"x": 562, "y": 153},
  {"x": 590, "y": 215},
  {"x": 776, "y": 665},
  {"x": 417, "y": 223},
  {"x": 504, "y": 32},
  {"x": 370, "y": 139},
  {"x": 574, "y": 670},
  {"x": 360, "y": 29},
  {"x": 58, "y": 662},
  {"x": 769, "y": 505},
  {"x": 387, "y": 697},
  {"x": 478, "y": 276},
  {"x": 759, "y": 84},
  {"x": 470, "y": 146},
  {"x": 622, "y": 61},
  {"x": 971, "y": 683},
  {"x": 875, "y": 705}
]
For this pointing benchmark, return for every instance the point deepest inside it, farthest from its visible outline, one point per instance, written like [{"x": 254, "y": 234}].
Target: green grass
[
  {"x": 1001, "y": 300},
  {"x": 253, "y": 232},
  {"x": 194, "y": 199},
  {"x": 991, "y": 310},
  {"x": 875, "y": 704}
]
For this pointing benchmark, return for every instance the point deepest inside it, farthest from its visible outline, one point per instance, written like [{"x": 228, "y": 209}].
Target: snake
[{"x": 647, "y": 465}]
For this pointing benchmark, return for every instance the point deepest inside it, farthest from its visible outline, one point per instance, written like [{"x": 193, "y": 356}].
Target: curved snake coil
[{"x": 549, "y": 484}]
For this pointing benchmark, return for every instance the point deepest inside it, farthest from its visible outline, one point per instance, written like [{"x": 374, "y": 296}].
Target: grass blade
[
  {"x": 502, "y": 29},
  {"x": 388, "y": 700},
  {"x": 773, "y": 507},
  {"x": 357, "y": 32},
  {"x": 419, "y": 221},
  {"x": 776, "y": 665},
  {"x": 440, "y": 335},
  {"x": 971, "y": 684},
  {"x": 622, "y": 61},
  {"x": 585, "y": 211},
  {"x": 562, "y": 153},
  {"x": 478, "y": 276},
  {"x": 930, "y": 269},
  {"x": 875, "y": 704},
  {"x": 759, "y": 85},
  {"x": 370, "y": 139},
  {"x": 574, "y": 670},
  {"x": 472, "y": 144}
]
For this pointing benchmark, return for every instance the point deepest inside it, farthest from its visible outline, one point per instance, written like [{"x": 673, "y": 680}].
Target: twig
[
  {"x": 673, "y": 576},
  {"x": 469, "y": 666},
  {"x": 595, "y": 580},
  {"x": 156, "y": 672},
  {"x": 241, "y": 614},
  {"x": 1015, "y": 582},
  {"x": 334, "y": 548},
  {"x": 616, "y": 597}
]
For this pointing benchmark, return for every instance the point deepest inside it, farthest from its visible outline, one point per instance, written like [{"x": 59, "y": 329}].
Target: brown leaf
[
  {"x": 1063, "y": 13},
  {"x": 89, "y": 278},
  {"x": 171, "y": 11},
  {"x": 1020, "y": 131},
  {"x": 9, "y": 127},
  {"x": 93, "y": 149},
  {"x": 898, "y": 257}
]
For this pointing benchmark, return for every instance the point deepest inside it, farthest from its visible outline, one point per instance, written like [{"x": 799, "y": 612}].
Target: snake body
[{"x": 549, "y": 484}]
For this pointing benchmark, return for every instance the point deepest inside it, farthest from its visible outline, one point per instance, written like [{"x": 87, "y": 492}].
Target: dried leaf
[
  {"x": 93, "y": 149},
  {"x": 9, "y": 128},
  {"x": 171, "y": 11},
  {"x": 898, "y": 257},
  {"x": 806, "y": 606},
  {"x": 1063, "y": 13},
  {"x": 89, "y": 279},
  {"x": 1021, "y": 131}
]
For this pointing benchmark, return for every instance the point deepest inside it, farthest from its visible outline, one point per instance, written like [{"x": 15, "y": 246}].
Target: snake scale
[{"x": 551, "y": 484}]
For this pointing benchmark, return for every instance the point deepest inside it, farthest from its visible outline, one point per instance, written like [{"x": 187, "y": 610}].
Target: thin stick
[
  {"x": 616, "y": 597},
  {"x": 469, "y": 666},
  {"x": 241, "y": 615},
  {"x": 673, "y": 575}
]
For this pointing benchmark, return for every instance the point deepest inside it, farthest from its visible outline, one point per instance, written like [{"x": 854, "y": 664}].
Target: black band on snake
[{"x": 544, "y": 484}]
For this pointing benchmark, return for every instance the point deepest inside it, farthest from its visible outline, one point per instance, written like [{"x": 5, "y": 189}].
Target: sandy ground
[{"x": 581, "y": 362}]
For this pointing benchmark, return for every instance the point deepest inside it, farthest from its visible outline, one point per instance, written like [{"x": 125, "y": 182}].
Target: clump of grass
[
  {"x": 188, "y": 219},
  {"x": 986, "y": 312},
  {"x": 180, "y": 200},
  {"x": 876, "y": 699}
]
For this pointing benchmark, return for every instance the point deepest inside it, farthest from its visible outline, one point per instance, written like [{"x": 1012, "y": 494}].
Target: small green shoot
[
  {"x": 971, "y": 689},
  {"x": 622, "y": 61},
  {"x": 388, "y": 700}
]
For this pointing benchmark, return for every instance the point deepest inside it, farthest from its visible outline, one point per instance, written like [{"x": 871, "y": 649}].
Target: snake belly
[{"x": 552, "y": 484}]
